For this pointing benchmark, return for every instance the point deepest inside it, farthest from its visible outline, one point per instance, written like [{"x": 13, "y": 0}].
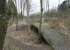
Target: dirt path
[
  {"x": 24, "y": 40},
  {"x": 18, "y": 44}
]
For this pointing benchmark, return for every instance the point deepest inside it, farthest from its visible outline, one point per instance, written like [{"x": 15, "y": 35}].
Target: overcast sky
[{"x": 35, "y": 5}]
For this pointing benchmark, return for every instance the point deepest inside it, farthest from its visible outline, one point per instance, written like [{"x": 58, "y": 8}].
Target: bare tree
[
  {"x": 21, "y": 4},
  {"x": 41, "y": 5},
  {"x": 3, "y": 22},
  {"x": 24, "y": 3},
  {"x": 47, "y": 5},
  {"x": 28, "y": 7}
]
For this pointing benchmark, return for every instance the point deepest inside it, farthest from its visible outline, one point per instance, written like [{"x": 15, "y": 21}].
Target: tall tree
[
  {"x": 28, "y": 10},
  {"x": 28, "y": 7},
  {"x": 41, "y": 5},
  {"x": 2, "y": 6},
  {"x": 21, "y": 4},
  {"x": 3, "y": 22},
  {"x": 4, "y": 18},
  {"x": 11, "y": 10},
  {"x": 64, "y": 6}
]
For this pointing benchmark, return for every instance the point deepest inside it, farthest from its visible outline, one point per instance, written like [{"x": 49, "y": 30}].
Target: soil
[{"x": 25, "y": 35}]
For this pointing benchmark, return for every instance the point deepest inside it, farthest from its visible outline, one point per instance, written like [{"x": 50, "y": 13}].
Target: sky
[{"x": 35, "y": 5}]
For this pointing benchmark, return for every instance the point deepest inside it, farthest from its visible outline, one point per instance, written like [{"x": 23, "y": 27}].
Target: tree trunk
[
  {"x": 3, "y": 23},
  {"x": 40, "y": 26},
  {"x": 3, "y": 30}
]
